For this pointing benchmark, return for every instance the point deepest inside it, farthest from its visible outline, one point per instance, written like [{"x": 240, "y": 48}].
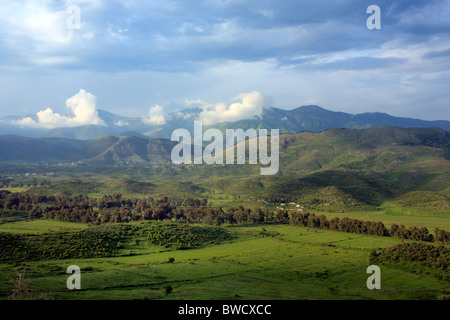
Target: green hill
[
  {"x": 70, "y": 187},
  {"x": 346, "y": 167},
  {"x": 425, "y": 199},
  {"x": 125, "y": 149}
]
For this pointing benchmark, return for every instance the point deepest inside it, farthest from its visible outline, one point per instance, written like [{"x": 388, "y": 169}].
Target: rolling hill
[
  {"x": 105, "y": 150},
  {"x": 125, "y": 149},
  {"x": 335, "y": 169},
  {"x": 377, "y": 149}
]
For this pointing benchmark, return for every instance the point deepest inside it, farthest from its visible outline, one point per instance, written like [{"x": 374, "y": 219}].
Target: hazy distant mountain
[
  {"x": 112, "y": 119},
  {"x": 305, "y": 118},
  {"x": 132, "y": 133},
  {"x": 81, "y": 133},
  {"x": 17, "y": 148},
  {"x": 383, "y": 119},
  {"x": 316, "y": 119}
]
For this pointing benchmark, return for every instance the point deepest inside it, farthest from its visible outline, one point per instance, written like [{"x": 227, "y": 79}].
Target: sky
[{"x": 148, "y": 58}]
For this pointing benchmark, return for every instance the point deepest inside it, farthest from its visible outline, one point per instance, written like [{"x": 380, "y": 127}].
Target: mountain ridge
[
  {"x": 311, "y": 149},
  {"x": 304, "y": 118}
]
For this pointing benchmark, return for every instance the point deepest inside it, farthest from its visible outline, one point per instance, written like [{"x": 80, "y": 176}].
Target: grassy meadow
[{"x": 254, "y": 262}]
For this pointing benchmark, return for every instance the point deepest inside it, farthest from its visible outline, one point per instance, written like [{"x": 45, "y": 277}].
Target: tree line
[
  {"x": 115, "y": 208},
  {"x": 376, "y": 228}
]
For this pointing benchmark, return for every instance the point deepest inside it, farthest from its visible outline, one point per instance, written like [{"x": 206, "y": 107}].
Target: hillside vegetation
[{"x": 334, "y": 170}]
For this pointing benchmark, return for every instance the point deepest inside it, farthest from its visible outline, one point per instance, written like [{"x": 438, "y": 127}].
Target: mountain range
[
  {"x": 371, "y": 149},
  {"x": 351, "y": 166},
  {"x": 306, "y": 118}
]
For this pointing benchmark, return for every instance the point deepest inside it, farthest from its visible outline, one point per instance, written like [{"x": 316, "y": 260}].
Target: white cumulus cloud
[
  {"x": 82, "y": 106},
  {"x": 121, "y": 123},
  {"x": 156, "y": 116},
  {"x": 247, "y": 106}
]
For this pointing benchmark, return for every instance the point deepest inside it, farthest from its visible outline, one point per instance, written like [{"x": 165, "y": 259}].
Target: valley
[{"x": 140, "y": 227}]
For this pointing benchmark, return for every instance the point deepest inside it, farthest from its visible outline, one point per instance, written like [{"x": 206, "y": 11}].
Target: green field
[
  {"x": 40, "y": 226},
  {"x": 256, "y": 262},
  {"x": 15, "y": 189},
  {"x": 428, "y": 221}
]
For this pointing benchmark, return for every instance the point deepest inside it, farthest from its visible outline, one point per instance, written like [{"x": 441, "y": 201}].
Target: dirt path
[{"x": 391, "y": 204}]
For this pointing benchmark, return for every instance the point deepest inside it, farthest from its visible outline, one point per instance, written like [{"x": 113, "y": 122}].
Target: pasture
[{"x": 256, "y": 262}]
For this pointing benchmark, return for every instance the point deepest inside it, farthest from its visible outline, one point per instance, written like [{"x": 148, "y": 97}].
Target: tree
[{"x": 36, "y": 212}]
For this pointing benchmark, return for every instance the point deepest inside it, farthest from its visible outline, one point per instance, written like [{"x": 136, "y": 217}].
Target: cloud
[
  {"x": 83, "y": 107},
  {"x": 249, "y": 106},
  {"x": 35, "y": 31},
  {"x": 121, "y": 123},
  {"x": 214, "y": 49},
  {"x": 189, "y": 103},
  {"x": 156, "y": 116}
]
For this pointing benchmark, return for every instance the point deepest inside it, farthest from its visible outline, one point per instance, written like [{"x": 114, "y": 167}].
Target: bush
[{"x": 433, "y": 256}]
